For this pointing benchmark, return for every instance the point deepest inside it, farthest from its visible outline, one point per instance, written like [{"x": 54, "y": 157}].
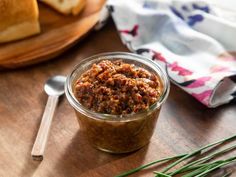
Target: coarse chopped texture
[{"x": 116, "y": 87}]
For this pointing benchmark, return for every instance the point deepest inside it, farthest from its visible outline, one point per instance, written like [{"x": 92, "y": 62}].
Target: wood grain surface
[
  {"x": 184, "y": 123},
  {"x": 58, "y": 32}
]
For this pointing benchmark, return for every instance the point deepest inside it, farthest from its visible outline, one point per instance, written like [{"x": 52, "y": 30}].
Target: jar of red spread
[{"x": 117, "y": 98}]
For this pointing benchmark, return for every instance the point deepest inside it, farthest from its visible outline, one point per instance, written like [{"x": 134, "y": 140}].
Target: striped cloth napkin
[{"x": 192, "y": 40}]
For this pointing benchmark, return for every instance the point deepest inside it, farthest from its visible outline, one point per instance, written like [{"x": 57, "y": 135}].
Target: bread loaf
[
  {"x": 66, "y": 6},
  {"x": 18, "y": 19}
]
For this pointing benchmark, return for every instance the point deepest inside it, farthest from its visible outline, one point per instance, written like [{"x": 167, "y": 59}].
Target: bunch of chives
[{"x": 197, "y": 168}]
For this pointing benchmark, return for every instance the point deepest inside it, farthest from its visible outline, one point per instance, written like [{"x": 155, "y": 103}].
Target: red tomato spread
[{"x": 116, "y": 87}]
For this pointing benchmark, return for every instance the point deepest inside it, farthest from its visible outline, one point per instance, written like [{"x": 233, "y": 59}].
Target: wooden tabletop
[{"x": 184, "y": 124}]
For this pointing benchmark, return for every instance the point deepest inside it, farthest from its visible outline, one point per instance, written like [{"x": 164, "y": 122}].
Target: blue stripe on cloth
[
  {"x": 194, "y": 19},
  {"x": 203, "y": 8},
  {"x": 176, "y": 12}
]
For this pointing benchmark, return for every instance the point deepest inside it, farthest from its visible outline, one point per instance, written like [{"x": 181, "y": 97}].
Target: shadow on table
[
  {"x": 30, "y": 167},
  {"x": 121, "y": 165},
  {"x": 80, "y": 157},
  {"x": 191, "y": 115}
]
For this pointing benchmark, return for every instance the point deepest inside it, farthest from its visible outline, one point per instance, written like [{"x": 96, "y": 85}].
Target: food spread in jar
[{"x": 116, "y": 87}]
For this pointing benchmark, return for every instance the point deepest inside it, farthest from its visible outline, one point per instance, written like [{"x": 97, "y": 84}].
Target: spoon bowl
[{"x": 55, "y": 85}]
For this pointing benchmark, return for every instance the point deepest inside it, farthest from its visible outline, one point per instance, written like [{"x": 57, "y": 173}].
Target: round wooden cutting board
[{"x": 58, "y": 32}]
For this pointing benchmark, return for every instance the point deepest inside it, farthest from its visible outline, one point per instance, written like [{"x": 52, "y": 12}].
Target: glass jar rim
[{"x": 111, "y": 117}]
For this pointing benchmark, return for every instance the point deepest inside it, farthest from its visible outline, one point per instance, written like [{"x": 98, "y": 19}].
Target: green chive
[
  {"x": 203, "y": 159},
  {"x": 196, "y": 152},
  {"x": 216, "y": 167},
  {"x": 198, "y": 167},
  {"x": 149, "y": 164}
]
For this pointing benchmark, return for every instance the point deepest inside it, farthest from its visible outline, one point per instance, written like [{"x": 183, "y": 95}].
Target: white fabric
[{"x": 193, "y": 40}]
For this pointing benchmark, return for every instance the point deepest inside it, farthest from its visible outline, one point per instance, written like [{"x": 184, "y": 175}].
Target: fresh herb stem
[
  {"x": 209, "y": 166},
  {"x": 199, "y": 170},
  {"x": 148, "y": 165},
  {"x": 196, "y": 152},
  {"x": 204, "y": 159},
  {"x": 192, "y": 168},
  {"x": 216, "y": 167},
  {"x": 227, "y": 174},
  {"x": 159, "y": 174},
  {"x": 197, "y": 167}
]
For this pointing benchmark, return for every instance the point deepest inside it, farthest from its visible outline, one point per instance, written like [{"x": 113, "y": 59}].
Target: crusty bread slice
[
  {"x": 18, "y": 19},
  {"x": 66, "y": 6}
]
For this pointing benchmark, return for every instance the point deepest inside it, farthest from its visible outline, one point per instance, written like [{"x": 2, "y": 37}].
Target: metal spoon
[{"x": 54, "y": 87}]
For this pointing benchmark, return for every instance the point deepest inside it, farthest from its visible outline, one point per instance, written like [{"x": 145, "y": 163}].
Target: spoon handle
[{"x": 42, "y": 136}]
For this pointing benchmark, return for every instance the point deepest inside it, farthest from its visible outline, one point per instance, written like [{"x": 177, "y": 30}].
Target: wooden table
[{"x": 184, "y": 123}]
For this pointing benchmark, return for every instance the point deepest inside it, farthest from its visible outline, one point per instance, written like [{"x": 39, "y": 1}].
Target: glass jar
[{"x": 117, "y": 133}]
